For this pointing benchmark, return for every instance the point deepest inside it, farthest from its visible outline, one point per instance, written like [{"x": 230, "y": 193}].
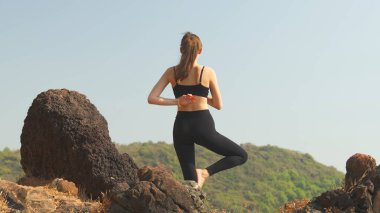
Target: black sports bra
[{"x": 197, "y": 89}]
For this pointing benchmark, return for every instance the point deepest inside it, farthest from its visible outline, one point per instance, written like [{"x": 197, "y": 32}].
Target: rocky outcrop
[
  {"x": 360, "y": 168},
  {"x": 361, "y": 192},
  {"x": 65, "y": 136},
  {"x": 18, "y": 198},
  {"x": 158, "y": 191}
]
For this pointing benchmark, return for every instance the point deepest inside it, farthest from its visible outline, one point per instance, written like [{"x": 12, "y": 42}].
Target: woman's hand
[{"x": 185, "y": 100}]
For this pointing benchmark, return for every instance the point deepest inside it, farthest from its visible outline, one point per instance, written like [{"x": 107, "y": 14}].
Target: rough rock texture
[
  {"x": 157, "y": 191},
  {"x": 376, "y": 202},
  {"x": 41, "y": 199},
  {"x": 358, "y": 167},
  {"x": 361, "y": 193},
  {"x": 65, "y": 136}
]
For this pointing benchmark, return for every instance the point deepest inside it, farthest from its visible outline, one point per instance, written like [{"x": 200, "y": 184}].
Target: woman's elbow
[
  {"x": 218, "y": 106},
  {"x": 150, "y": 100}
]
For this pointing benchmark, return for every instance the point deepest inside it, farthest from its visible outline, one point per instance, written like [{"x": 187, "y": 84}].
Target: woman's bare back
[{"x": 200, "y": 102}]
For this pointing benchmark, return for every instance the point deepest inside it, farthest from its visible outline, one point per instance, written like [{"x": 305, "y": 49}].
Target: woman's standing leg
[
  {"x": 184, "y": 147},
  {"x": 186, "y": 156}
]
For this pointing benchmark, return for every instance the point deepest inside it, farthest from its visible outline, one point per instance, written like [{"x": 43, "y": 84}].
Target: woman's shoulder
[
  {"x": 209, "y": 71},
  {"x": 170, "y": 70},
  {"x": 169, "y": 73}
]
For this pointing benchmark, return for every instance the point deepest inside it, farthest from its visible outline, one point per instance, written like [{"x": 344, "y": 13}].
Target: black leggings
[{"x": 198, "y": 127}]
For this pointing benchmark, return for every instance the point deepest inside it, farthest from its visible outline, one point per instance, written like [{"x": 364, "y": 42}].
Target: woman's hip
[{"x": 193, "y": 122}]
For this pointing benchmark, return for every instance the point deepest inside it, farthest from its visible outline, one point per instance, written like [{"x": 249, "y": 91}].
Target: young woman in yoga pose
[{"x": 191, "y": 83}]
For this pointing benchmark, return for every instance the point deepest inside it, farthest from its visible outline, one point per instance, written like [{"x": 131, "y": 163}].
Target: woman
[{"x": 191, "y": 83}]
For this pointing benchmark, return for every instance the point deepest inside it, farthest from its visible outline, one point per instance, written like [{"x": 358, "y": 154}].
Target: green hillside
[
  {"x": 271, "y": 177},
  {"x": 10, "y": 168}
]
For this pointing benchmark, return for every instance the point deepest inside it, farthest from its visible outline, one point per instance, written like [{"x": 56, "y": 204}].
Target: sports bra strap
[{"x": 200, "y": 79}]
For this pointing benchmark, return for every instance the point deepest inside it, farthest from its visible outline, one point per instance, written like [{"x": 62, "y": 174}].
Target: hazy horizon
[{"x": 300, "y": 75}]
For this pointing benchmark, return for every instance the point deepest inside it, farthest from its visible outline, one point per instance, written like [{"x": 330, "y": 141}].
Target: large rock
[
  {"x": 65, "y": 136},
  {"x": 158, "y": 191},
  {"x": 358, "y": 167}
]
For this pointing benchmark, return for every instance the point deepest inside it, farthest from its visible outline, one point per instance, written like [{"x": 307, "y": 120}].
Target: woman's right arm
[
  {"x": 216, "y": 99},
  {"x": 155, "y": 95}
]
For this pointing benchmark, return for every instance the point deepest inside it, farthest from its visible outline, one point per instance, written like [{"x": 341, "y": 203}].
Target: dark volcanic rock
[
  {"x": 376, "y": 179},
  {"x": 65, "y": 136},
  {"x": 163, "y": 179},
  {"x": 158, "y": 191},
  {"x": 335, "y": 198},
  {"x": 359, "y": 167},
  {"x": 361, "y": 193}
]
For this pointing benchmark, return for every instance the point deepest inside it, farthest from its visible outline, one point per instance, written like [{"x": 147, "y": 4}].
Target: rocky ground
[
  {"x": 360, "y": 194},
  {"x": 157, "y": 191},
  {"x": 56, "y": 196}
]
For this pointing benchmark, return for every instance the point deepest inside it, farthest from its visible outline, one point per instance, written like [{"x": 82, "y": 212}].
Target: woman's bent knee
[{"x": 244, "y": 157}]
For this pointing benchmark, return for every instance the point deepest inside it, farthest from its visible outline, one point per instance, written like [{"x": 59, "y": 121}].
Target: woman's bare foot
[{"x": 202, "y": 175}]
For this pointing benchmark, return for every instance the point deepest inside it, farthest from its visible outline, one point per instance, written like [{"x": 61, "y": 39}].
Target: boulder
[
  {"x": 158, "y": 191},
  {"x": 358, "y": 167},
  {"x": 65, "y": 136}
]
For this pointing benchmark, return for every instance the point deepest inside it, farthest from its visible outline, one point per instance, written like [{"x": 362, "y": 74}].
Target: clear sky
[{"x": 302, "y": 75}]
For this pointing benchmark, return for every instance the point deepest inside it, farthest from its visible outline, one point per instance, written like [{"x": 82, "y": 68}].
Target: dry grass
[
  {"x": 31, "y": 209},
  {"x": 3, "y": 203},
  {"x": 218, "y": 211},
  {"x": 55, "y": 192},
  {"x": 294, "y": 206},
  {"x": 82, "y": 195},
  {"x": 105, "y": 201}
]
